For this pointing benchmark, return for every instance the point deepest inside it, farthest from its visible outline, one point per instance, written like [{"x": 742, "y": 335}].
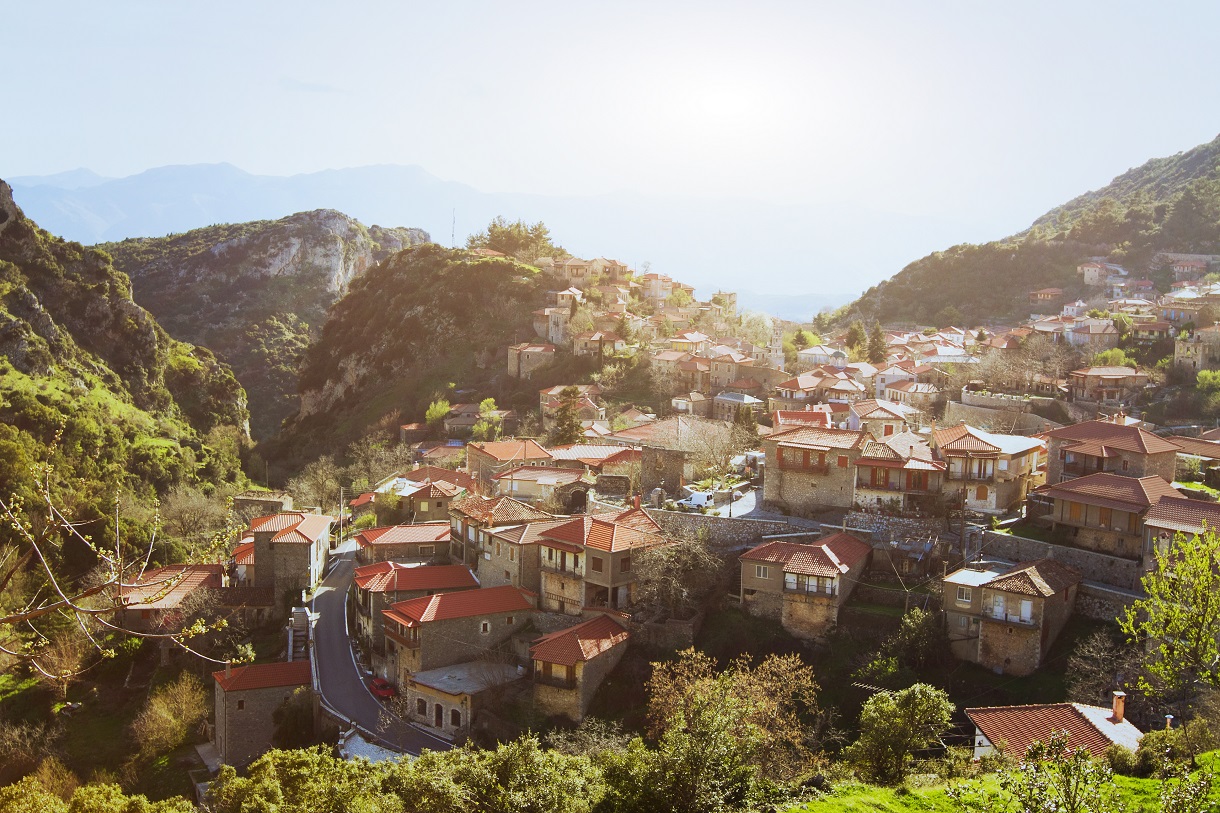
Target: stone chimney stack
[
  {"x": 228, "y": 669},
  {"x": 1120, "y": 706},
  {"x": 1168, "y": 721}
]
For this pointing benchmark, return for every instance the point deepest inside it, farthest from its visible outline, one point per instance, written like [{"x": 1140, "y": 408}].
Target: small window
[
  {"x": 512, "y": 553},
  {"x": 595, "y": 564},
  {"x": 427, "y": 550},
  {"x": 762, "y": 572},
  {"x": 842, "y": 461},
  {"x": 421, "y": 707},
  {"x": 961, "y": 621},
  {"x": 509, "y": 620},
  {"x": 624, "y": 565},
  {"x": 497, "y": 549},
  {"x": 485, "y": 627},
  {"x": 575, "y": 563},
  {"x": 241, "y": 704},
  {"x": 1124, "y": 465},
  {"x": 438, "y": 506},
  {"x": 981, "y": 493},
  {"x": 455, "y": 718},
  {"x": 507, "y": 576},
  {"x": 964, "y": 595}
]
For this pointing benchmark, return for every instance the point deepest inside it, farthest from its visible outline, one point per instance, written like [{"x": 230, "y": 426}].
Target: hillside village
[{"x": 501, "y": 578}]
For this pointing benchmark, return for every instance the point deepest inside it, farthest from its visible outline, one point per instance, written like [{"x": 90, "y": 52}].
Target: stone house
[
  {"x": 1172, "y": 516},
  {"x": 598, "y": 458},
  {"x": 587, "y": 562},
  {"x": 597, "y": 343},
  {"x": 419, "y": 543},
  {"x": 246, "y": 699},
  {"x": 726, "y": 404},
  {"x": 376, "y": 587},
  {"x": 291, "y": 550},
  {"x": 881, "y": 418},
  {"x": 962, "y": 599},
  {"x": 1120, "y": 384},
  {"x": 549, "y": 398},
  {"x": 809, "y": 469},
  {"x": 899, "y": 470},
  {"x": 511, "y": 555},
  {"x": 1199, "y": 350},
  {"x": 1093, "y": 335},
  {"x": 1108, "y": 446},
  {"x": 729, "y": 367},
  {"x": 1015, "y": 728},
  {"x": 692, "y": 403},
  {"x": 261, "y": 503},
  {"x": 449, "y": 628},
  {"x": 241, "y": 562},
  {"x": 1044, "y": 296},
  {"x": 411, "y": 501},
  {"x": 570, "y": 665},
  {"x": 1023, "y": 612},
  {"x": 526, "y": 357},
  {"x": 472, "y": 520},
  {"x": 656, "y": 288},
  {"x": 915, "y": 394},
  {"x": 161, "y": 598},
  {"x": 1104, "y": 512},
  {"x": 485, "y": 460},
  {"x": 993, "y": 473},
  {"x": 448, "y": 699},
  {"x": 1096, "y": 272},
  {"x": 535, "y": 484},
  {"x": 803, "y": 586}
]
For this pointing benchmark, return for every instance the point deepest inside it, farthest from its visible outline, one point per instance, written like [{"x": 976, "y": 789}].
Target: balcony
[
  {"x": 970, "y": 477},
  {"x": 1078, "y": 469},
  {"x": 1010, "y": 618},
  {"x": 555, "y": 681},
  {"x": 561, "y": 570}
]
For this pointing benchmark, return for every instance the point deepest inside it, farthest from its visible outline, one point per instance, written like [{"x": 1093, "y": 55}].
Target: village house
[
  {"x": 1172, "y": 516},
  {"x": 993, "y": 473},
  {"x": 162, "y": 598},
  {"x": 246, "y": 699},
  {"x": 449, "y": 628},
  {"x": 549, "y": 398},
  {"x": 923, "y": 397},
  {"x": 1197, "y": 455},
  {"x": 551, "y": 324},
  {"x": 656, "y": 288},
  {"x": 419, "y": 497},
  {"x": 899, "y": 471},
  {"x": 811, "y": 469},
  {"x": 1013, "y": 729},
  {"x": 692, "y": 342},
  {"x": 587, "y": 562},
  {"x": 1006, "y": 618},
  {"x": 1096, "y": 272},
  {"x": 486, "y": 460},
  {"x": 1093, "y": 335},
  {"x": 448, "y": 699},
  {"x": 537, "y": 484},
  {"x": 261, "y": 503},
  {"x": 881, "y": 418},
  {"x": 417, "y": 543},
  {"x": 1150, "y": 332},
  {"x": 1198, "y": 350},
  {"x": 473, "y": 518},
  {"x": 526, "y": 357},
  {"x": 803, "y": 586},
  {"x": 1108, "y": 446},
  {"x": 728, "y": 367},
  {"x": 241, "y": 562},
  {"x": 511, "y": 555},
  {"x": 692, "y": 403},
  {"x": 822, "y": 354},
  {"x": 291, "y": 550},
  {"x": 378, "y": 586},
  {"x": 1045, "y": 296},
  {"x": 726, "y": 406},
  {"x": 598, "y": 343},
  {"x": 570, "y": 665},
  {"x": 598, "y": 458},
  {"x": 1102, "y": 512}
]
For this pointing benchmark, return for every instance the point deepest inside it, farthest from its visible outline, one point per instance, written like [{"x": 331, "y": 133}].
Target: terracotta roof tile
[
  {"x": 1185, "y": 515},
  {"x": 264, "y": 676},
  {"x": 513, "y": 449},
  {"x": 392, "y": 577},
  {"x": 468, "y": 603},
  {"x": 164, "y": 588},
  {"x": 422, "y": 533},
  {"x": 1109, "y": 490},
  {"x": 817, "y": 437},
  {"x": 1018, "y": 727},
  {"x": 1044, "y": 577},
  {"x": 243, "y": 554},
  {"x": 582, "y": 642},
  {"x": 599, "y": 534},
  {"x": 497, "y": 510},
  {"x": 1197, "y": 447},
  {"x": 831, "y": 556}
]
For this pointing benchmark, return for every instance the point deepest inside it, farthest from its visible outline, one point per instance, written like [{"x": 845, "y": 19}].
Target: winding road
[{"x": 341, "y": 682}]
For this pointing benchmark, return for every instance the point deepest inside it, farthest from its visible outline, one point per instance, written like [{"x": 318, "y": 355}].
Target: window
[
  {"x": 842, "y": 461},
  {"x": 888, "y": 430},
  {"x": 964, "y": 595},
  {"x": 961, "y": 621},
  {"x": 575, "y": 563},
  {"x": 1104, "y": 517},
  {"x": 241, "y": 704},
  {"x": 1075, "y": 511},
  {"x": 762, "y": 572},
  {"x": 980, "y": 493},
  {"x": 427, "y": 550},
  {"x": 624, "y": 565},
  {"x": 421, "y": 707},
  {"x": 423, "y": 507},
  {"x": 550, "y": 554},
  {"x": 512, "y": 553},
  {"x": 438, "y": 506},
  {"x": 485, "y": 627},
  {"x": 509, "y": 620},
  {"x": 497, "y": 549},
  {"x": 455, "y": 718},
  {"x": 507, "y": 576},
  {"x": 595, "y": 564},
  {"x": 1124, "y": 465}
]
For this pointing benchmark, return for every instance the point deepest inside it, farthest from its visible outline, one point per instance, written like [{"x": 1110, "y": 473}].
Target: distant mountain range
[{"x": 788, "y": 260}]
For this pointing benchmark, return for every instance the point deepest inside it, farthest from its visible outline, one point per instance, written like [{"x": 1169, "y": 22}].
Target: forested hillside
[
  {"x": 91, "y": 385},
  {"x": 256, "y": 293},
  {"x": 428, "y": 320},
  {"x": 1168, "y": 204}
]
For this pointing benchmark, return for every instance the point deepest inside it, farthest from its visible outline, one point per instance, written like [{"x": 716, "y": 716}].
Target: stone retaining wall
[
  {"x": 1094, "y": 567},
  {"x": 995, "y": 400},
  {"x": 886, "y": 528},
  {"x": 1100, "y": 604}
]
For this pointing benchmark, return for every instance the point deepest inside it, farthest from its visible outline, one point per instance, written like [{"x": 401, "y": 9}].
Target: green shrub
[{"x": 1122, "y": 760}]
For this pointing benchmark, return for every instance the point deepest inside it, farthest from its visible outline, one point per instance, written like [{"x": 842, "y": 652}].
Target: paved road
[
  {"x": 342, "y": 684},
  {"x": 750, "y": 507}
]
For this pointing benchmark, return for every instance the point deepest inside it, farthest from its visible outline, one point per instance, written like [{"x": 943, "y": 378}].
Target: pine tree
[
  {"x": 876, "y": 345},
  {"x": 567, "y": 428}
]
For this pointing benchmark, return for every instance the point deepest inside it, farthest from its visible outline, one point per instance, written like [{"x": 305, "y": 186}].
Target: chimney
[
  {"x": 228, "y": 669},
  {"x": 1120, "y": 706},
  {"x": 1168, "y": 721},
  {"x": 636, "y": 501}
]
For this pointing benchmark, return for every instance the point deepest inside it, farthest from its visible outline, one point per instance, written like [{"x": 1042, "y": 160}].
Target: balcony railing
[
  {"x": 972, "y": 476},
  {"x": 1081, "y": 469},
  {"x": 1010, "y": 618}
]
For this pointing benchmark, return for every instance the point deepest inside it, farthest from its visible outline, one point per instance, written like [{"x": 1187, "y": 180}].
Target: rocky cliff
[
  {"x": 256, "y": 293},
  {"x": 90, "y": 382}
]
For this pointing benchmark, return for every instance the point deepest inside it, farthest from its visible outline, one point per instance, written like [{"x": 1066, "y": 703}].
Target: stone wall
[
  {"x": 1095, "y": 567},
  {"x": 1100, "y": 604},
  {"x": 809, "y": 616},
  {"x": 673, "y": 635},
  {"x": 996, "y": 400},
  {"x": 723, "y": 532},
  {"x": 885, "y": 528},
  {"x": 996, "y": 420}
]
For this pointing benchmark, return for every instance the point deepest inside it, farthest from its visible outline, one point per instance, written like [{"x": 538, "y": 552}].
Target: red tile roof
[
  {"x": 435, "y": 474},
  {"x": 264, "y": 676},
  {"x": 293, "y": 527},
  {"x": 164, "y": 588},
  {"x": 243, "y": 554},
  {"x": 1044, "y": 577},
  {"x": 426, "y": 533},
  {"x": 831, "y": 556},
  {"x": 468, "y": 603},
  {"x": 512, "y": 450},
  {"x": 1018, "y": 727},
  {"x": 1185, "y": 515},
  {"x": 582, "y": 642},
  {"x": 819, "y": 438},
  {"x": 1198, "y": 447},
  {"x": 555, "y": 476},
  {"x": 367, "y": 498},
  {"x": 1114, "y": 435},
  {"x": 494, "y": 511},
  {"x": 1109, "y": 490},
  {"x": 599, "y": 534},
  {"x": 392, "y": 577}
]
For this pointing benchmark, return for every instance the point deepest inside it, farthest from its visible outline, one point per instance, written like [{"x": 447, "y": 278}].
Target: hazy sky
[{"x": 980, "y": 111}]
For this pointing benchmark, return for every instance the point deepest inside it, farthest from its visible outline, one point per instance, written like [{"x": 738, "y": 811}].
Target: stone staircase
[{"x": 298, "y": 635}]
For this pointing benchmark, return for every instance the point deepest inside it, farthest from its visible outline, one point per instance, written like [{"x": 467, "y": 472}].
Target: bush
[
  {"x": 1158, "y": 751},
  {"x": 1122, "y": 760}
]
